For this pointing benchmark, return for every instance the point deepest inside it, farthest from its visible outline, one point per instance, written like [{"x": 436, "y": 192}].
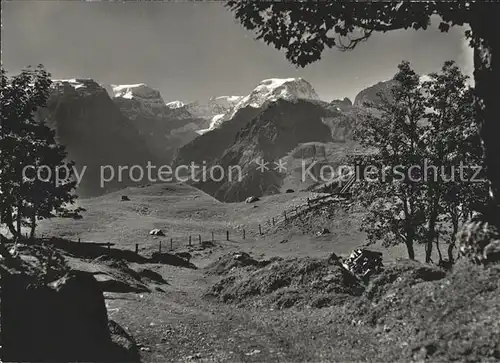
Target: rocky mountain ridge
[
  {"x": 224, "y": 129},
  {"x": 95, "y": 133}
]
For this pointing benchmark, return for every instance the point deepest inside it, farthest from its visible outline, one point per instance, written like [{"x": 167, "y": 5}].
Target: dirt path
[{"x": 182, "y": 325}]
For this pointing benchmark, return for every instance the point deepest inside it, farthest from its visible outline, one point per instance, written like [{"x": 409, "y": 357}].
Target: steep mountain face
[
  {"x": 342, "y": 123},
  {"x": 147, "y": 100},
  {"x": 234, "y": 112},
  {"x": 211, "y": 145},
  {"x": 94, "y": 132},
  {"x": 277, "y": 117},
  {"x": 274, "y": 132},
  {"x": 163, "y": 128},
  {"x": 342, "y": 105},
  {"x": 370, "y": 94}
]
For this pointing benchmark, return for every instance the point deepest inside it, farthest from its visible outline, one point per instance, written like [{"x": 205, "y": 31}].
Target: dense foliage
[
  {"x": 30, "y": 156},
  {"x": 426, "y": 176}
]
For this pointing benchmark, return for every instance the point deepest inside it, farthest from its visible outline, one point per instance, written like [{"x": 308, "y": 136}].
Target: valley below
[{"x": 263, "y": 297}]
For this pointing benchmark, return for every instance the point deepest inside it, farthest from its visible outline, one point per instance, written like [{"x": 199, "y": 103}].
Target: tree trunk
[
  {"x": 409, "y": 247},
  {"x": 33, "y": 224},
  {"x": 431, "y": 236},
  {"x": 451, "y": 246},
  {"x": 438, "y": 249},
  {"x": 8, "y": 220},
  {"x": 486, "y": 41},
  {"x": 18, "y": 219}
]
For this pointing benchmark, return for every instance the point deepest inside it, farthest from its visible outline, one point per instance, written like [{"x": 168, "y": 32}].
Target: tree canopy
[
  {"x": 424, "y": 133},
  {"x": 306, "y": 29},
  {"x": 31, "y": 183}
]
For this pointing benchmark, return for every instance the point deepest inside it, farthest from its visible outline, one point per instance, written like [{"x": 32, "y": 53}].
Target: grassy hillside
[{"x": 181, "y": 210}]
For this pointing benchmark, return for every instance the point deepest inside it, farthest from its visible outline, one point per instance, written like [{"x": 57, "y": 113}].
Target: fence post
[
  {"x": 136, "y": 248},
  {"x": 79, "y": 240},
  {"x": 159, "y": 249},
  {"x": 273, "y": 221},
  {"x": 308, "y": 201},
  {"x": 260, "y": 230},
  {"x": 212, "y": 236},
  {"x": 243, "y": 233},
  {"x": 227, "y": 235},
  {"x": 190, "y": 240},
  {"x": 199, "y": 238},
  {"x": 109, "y": 246},
  {"x": 171, "y": 242}
]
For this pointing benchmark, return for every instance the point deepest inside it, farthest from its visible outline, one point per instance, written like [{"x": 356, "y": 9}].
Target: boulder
[
  {"x": 156, "y": 232},
  {"x": 290, "y": 191},
  {"x": 323, "y": 232},
  {"x": 252, "y": 199},
  {"x": 125, "y": 198},
  {"x": 65, "y": 320}
]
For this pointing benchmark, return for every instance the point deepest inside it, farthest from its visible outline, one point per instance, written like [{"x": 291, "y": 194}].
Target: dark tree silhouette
[
  {"x": 306, "y": 29},
  {"x": 26, "y": 142}
]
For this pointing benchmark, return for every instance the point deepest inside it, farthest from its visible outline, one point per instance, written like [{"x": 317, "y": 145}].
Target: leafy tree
[
  {"x": 452, "y": 153},
  {"x": 306, "y": 29},
  {"x": 396, "y": 212},
  {"x": 425, "y": 136},
  {"x": 26, "y": 141}
]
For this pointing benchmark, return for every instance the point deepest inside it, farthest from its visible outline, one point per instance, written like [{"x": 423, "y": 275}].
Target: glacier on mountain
[
  {"x": 270, "y": 90},
  {"x": 215, "y": 122},
  {"x": 175, "y": 104},
  {"x": 147, "y": 100}
]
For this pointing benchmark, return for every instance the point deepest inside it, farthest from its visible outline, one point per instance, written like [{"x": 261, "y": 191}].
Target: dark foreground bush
[{"x": 428, "y": 314}]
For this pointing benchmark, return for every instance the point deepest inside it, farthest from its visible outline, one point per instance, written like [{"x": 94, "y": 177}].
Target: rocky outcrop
[
  {"x": 370, "y": 94},
  {"x": 63, "y": 321},
  {"x": 342, "y": 105}
]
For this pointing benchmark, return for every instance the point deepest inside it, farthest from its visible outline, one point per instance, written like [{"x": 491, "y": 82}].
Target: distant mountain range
[{"x": 132, "y": 124}]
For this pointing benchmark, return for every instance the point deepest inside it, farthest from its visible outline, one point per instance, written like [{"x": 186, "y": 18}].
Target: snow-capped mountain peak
[
  {"x": 175, "y": 104},
  {"x": 82, "y": 86},
  {"x": 272, "y": 89},
  {"x": 140, "y": 90},
  {"x": 142, "y": 99}
]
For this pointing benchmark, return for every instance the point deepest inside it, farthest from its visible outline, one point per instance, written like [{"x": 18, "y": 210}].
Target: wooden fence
[
  {"x": 166, "y": 243},
  {"x": 313, "y": 203}
]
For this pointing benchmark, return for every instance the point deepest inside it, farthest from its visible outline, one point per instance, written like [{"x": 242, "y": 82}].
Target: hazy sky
[{"x": 193, "y": 51}]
